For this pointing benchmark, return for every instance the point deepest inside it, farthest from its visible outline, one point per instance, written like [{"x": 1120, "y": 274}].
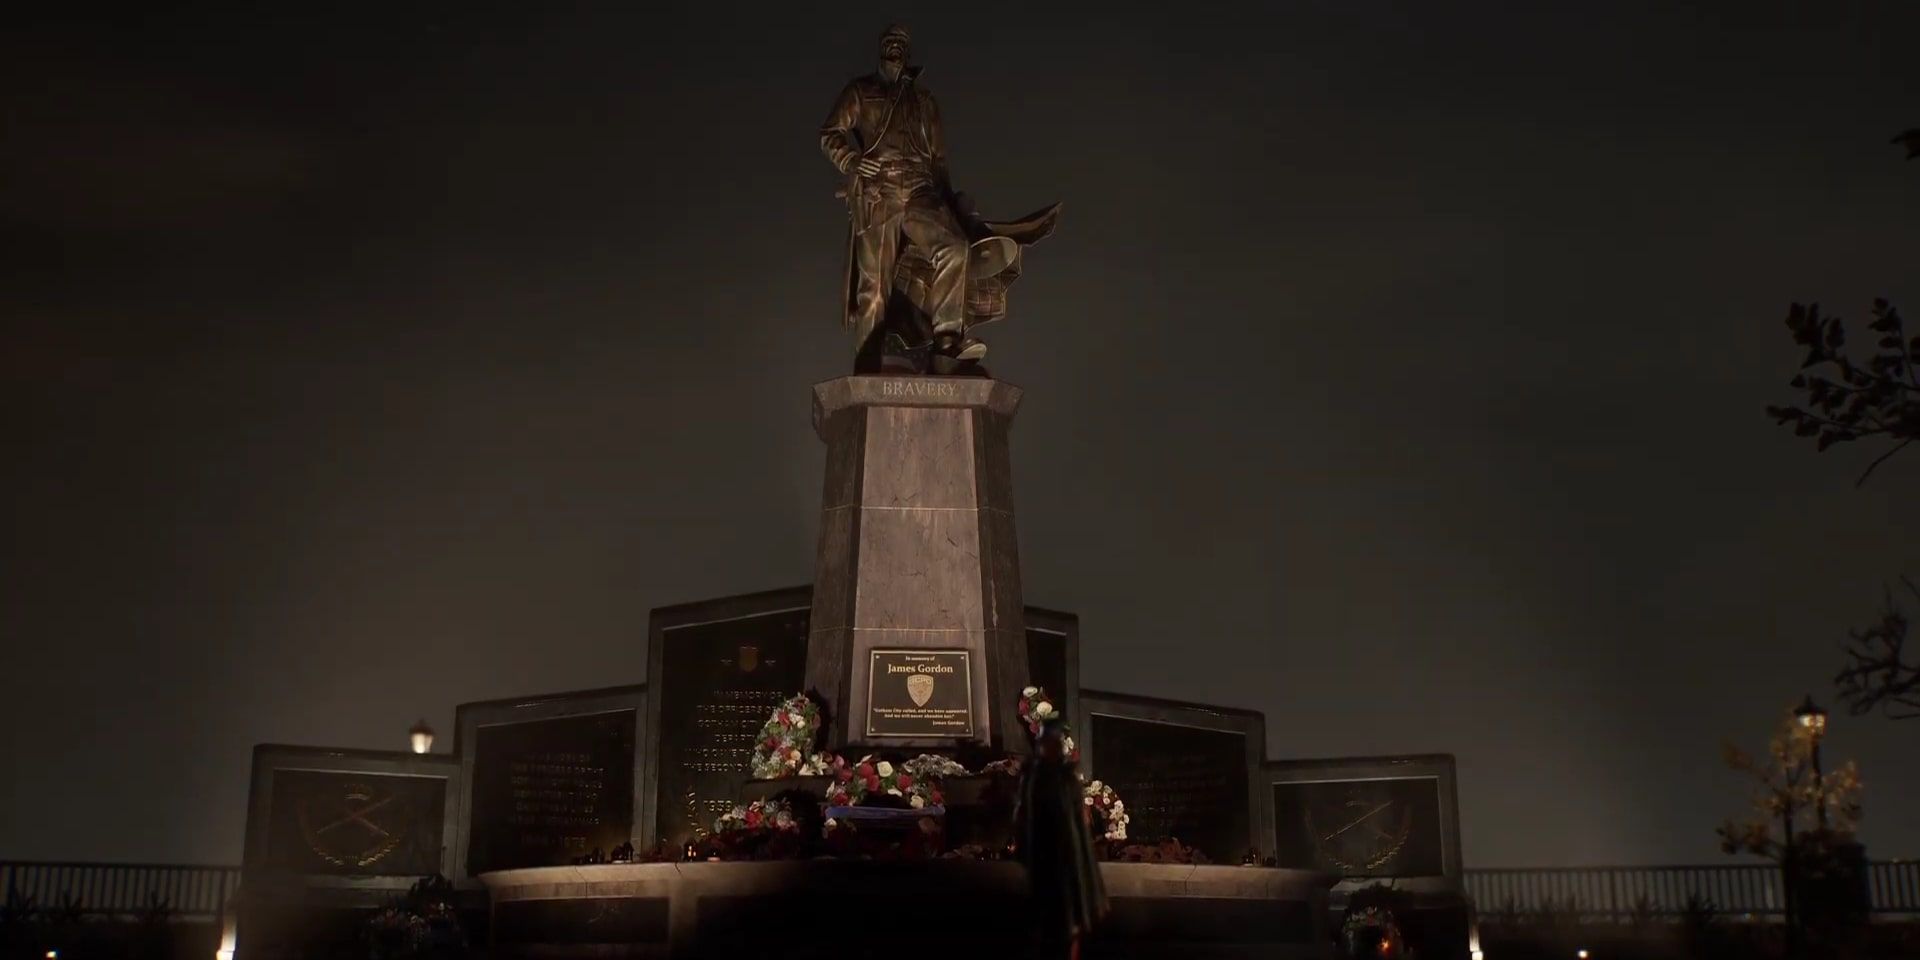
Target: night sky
[{"x": 1397, "y": 370}]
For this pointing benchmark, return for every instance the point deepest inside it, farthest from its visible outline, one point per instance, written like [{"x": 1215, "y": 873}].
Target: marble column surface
[{"x": 917, "y": 546}]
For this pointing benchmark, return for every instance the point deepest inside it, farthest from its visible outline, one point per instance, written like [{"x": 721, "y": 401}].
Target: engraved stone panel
[
  {"x": 1177, "y": 781},
  {"x": 718, "y": 681},
  {"x": 1360, "y": 828},
  {"x": 547, "y": 791},
  {"x": 357, "y": 824},
  {"x": 1367, "y": 817}
]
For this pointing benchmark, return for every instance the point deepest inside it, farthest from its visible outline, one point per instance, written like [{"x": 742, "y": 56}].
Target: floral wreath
[
  {"x": 758, "y": 815},
  {"x": 1108, "y": 808},
  {"x": 784, "y": 746},
  {"x": 1373, "y": 918},
  {"x": 853, "y": 784}
]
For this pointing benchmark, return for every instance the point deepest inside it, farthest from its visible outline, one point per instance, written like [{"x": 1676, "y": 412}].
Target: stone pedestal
[{"x": 917, "y": 639}]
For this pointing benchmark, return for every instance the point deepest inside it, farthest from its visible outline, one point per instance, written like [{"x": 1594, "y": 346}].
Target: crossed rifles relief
[
  {"x": 383, "y": 840},
  {"x": 1380, "y": 834},
  {"x": 359, "y": 816}
]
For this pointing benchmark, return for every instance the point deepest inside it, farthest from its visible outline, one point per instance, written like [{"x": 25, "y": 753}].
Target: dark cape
[{"x": 1055, "y": 844}]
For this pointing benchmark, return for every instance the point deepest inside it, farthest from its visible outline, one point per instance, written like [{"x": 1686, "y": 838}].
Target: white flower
[
  {"x": 883, "y": 768},
  {"x": 917, "y": 802},
  {"x": 1045, "y": 709},
  {"x": 1087, "y": 800},
  {"x": 1094, "y": 785},
  {"x": 893, "y": 791},
  {"x": 1030, "y": 692},
  {"x": 793, "y": 755},
  {"x": 831, "y": 823}
]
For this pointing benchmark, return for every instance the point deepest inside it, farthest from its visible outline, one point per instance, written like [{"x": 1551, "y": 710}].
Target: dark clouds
[{"x": 1396, "y": 371}]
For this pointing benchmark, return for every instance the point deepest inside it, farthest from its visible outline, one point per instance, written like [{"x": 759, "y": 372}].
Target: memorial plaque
[
  {"x": 919, "y": 693},
  {"x": 1178, "y": 781},
  {"x": 721, "y": 668},
  {"x": 547, "y": 791},
  {"x": 1359, "y": 828},
  {"x": 1367, "y": 817},
  {"x": 355, "y": 824}
]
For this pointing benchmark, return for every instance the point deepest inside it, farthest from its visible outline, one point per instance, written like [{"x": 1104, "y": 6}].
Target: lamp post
[
  {"x": 422, "y": 736},
  {"x": 1813, "y": 720}
]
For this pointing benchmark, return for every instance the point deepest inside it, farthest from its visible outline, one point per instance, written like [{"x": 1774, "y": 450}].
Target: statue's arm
[{"x": 840, "y": 134}]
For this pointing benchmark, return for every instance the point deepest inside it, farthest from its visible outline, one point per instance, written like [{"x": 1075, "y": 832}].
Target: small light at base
[
  {"x": 1581, "y": 953},
  {"x": 1477, "y": 955},
  {"x": 226, "y": 941},
  {"x": 53, "y": 955}
]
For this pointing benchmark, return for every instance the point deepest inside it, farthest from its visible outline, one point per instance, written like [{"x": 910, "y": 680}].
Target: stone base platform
[{"x": 938, "y": 909}]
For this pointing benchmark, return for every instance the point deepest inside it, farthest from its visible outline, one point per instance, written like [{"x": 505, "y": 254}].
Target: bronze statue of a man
[{"x": 922, "y": 268}]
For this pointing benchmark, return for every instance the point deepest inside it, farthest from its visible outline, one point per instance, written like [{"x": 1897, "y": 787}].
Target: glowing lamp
[
  {"x": 1811, "y": 718},
  {"x": 422, "y": 736}
]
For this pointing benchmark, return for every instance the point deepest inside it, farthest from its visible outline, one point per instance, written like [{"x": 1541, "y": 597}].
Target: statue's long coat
[{"x": 866, "y": 110}]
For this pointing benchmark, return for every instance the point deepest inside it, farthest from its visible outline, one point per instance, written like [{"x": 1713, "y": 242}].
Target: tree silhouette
[
  {"x": 1848, "y": 400},
  {"x": 1879, "y": 397},
  {"x": 1877, "y": 673}
]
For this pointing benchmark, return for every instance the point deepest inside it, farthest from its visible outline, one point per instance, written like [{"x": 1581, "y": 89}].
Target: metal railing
[
  {"x": 1615, "y": 894},
  {"x": 182, "y": 892},
  {"x": 1623, "y": 894}
]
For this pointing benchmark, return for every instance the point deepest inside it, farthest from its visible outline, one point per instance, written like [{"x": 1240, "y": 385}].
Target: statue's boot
[{"x": 959, "y": 347}]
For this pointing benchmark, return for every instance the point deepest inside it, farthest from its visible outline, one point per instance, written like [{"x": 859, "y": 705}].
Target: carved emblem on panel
[
  {"x": 352, "y": 825},
  {"x": 1363, "y": 830},
  {"x": 920, "y": 688}
]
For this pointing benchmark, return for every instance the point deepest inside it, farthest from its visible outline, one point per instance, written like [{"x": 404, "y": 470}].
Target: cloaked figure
[{"x": 1054, "y": 840}]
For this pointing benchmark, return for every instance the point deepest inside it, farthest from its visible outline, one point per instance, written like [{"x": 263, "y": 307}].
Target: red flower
[
  {"x": 873, "y": 782},
  {"x": 783, "y": 718},
  {"x": 842, "y": 774},
  {"x": 753, "y": 818},
  {"x": 905, "y": 781},
  {"x": 866, "y": 770}
]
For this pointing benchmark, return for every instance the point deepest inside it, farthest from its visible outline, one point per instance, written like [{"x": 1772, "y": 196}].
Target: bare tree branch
[{"x": 1878, "y": 675}]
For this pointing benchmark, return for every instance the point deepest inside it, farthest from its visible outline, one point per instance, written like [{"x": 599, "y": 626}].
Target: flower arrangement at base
[
  {"x": 932, "y": 766},
  {"x": 1036, "y": 709},
  {"x": 773, "y": 814},
  {"x": 878, "y": 781},
  {"x": 924, "y": 839},
  {"x": 1107, "y": 809},
  {"x": 1170, "y": 850},
  {"x": 784, "y": 745}
]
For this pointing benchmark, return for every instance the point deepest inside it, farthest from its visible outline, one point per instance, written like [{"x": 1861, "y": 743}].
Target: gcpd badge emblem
[
  {"x": 749, "y": 658},
  {"x": 920, "y": 688}
]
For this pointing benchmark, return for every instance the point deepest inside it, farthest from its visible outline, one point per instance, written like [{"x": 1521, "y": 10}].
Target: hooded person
[{"x": 1054, "y": 841}]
